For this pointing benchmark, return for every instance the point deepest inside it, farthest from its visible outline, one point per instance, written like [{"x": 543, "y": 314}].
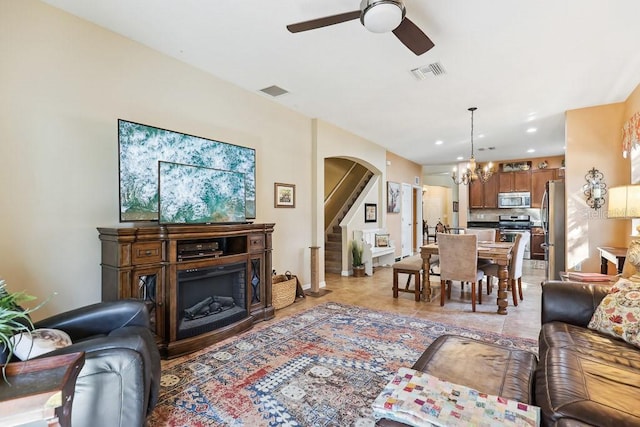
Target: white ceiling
[{"x": 522, "y": 63}]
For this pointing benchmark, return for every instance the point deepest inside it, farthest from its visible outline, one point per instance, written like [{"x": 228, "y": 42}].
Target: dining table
[{"x": 498, "y": 252}]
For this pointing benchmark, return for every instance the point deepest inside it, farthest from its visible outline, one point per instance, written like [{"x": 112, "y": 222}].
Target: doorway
[{"x": 406, "y": 218}]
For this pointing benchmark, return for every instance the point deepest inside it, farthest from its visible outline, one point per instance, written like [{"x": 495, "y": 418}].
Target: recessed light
[
  {"x": 459, "y": 158},
  {"x": 531, "y": 150},
  {"x": 531, "y": 130},
  {"x": 439, "y": 142},
  {"x": 481, "y": 135}
]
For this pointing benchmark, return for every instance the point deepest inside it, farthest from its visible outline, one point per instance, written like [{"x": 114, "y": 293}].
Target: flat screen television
[
  {"x": 190, "y": 194},
  {"x": 140, "y": 149}
]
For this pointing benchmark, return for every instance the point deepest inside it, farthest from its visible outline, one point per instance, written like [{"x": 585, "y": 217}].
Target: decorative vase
[{"x": 358, "y": 271}]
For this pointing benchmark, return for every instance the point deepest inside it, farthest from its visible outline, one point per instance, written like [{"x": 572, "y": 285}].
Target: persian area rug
[{"x": 321, "y": 367}]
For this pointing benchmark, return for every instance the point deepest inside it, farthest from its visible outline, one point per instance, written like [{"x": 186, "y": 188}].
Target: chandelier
[{"x": 473, "y": 172}]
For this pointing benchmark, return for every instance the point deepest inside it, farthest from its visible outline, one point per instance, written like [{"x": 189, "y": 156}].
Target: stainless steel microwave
[{"x": 514, "y": 200}]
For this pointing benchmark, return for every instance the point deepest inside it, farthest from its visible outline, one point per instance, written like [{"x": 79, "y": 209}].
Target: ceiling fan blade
[
  {"x": 413, "y": 37},
  {"x": 323, "y": 22}
]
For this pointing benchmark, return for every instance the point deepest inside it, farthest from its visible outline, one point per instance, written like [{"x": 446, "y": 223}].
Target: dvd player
[
  {"x": 195, "y": 247},
  {"x": 214, "y": 253}
]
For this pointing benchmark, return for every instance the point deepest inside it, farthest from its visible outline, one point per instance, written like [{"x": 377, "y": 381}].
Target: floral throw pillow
[
  {"x": 618, "y": 314},
  {"x": 631, "y": 269}
]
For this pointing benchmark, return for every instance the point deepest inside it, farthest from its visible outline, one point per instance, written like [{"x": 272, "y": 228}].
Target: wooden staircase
[
  {"x": 333, "y": 234},
  {"x": 333, "y": 250}
]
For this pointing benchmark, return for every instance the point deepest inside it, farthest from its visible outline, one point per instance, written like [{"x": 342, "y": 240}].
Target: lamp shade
[{"x": 624, "y": 201}]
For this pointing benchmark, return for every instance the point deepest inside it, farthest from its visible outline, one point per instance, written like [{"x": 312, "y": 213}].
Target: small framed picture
[
  {"x": 455, "y": 206},
  {"x": 382, "y": 240},
  {"x": 370, "y": 212},
  {"x": 284, "y": 195},
  {"x": 393, "y": 197}
]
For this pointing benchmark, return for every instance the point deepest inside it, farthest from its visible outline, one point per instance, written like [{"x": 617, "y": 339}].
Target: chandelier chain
[
  {"x": 472, "y": 109},
  {"x": 473, "y": 171}
]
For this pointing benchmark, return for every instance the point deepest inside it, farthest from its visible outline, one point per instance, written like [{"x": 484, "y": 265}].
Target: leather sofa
[
  {"x": 583, "y": 377},
  {"x": 119, "y": 382}
]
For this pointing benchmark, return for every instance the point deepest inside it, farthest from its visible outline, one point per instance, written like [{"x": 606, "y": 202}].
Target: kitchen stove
[
  {"x": 514, "y": 222},
  {"x": 512, "y": 225}
]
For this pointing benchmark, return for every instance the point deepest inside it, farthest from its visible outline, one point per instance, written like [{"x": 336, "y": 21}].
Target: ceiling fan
[{"x": 378, "y": 16}]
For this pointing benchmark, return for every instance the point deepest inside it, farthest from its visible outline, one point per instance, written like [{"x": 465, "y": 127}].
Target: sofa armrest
[
  {"x": 134, "y": 338},
  {"x": 110, "y": 390},
  {"x": 98, "y": 319},
  {"x": 571, "y": 302}
]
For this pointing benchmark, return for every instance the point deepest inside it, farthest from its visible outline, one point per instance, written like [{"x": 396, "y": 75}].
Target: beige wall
[
  {"x": 593, "y": 140},
  {"x": 632, "y": 106},
  {"x": 334, "y": 171},
  {"x": 438, "y": 205},
  {"x": 64, "y": 83},
  {"x": 404, "y": 171}
]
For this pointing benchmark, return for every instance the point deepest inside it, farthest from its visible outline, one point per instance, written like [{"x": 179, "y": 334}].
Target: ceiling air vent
[
  {"x": 274, "y": 91},
  {"x": 435, "y": 69}
]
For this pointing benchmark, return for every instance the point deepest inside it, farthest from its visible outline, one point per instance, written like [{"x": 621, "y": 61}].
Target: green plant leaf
[{"x": 14, "y": 319}]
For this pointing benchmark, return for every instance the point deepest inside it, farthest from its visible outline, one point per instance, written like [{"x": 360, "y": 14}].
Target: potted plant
[
  {"x": 13, "y": 320},
  {"x": 356, "y": 251}
]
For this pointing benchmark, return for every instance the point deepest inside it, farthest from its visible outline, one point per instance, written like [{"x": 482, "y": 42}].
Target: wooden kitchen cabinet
[
  {"x": 537, "y": 239},
  {"x": 514, "y": 181},
  {"x": 476, "y": 195},
  {"x": 484, "y": 195},
  {"x": 539, "y": 180}
]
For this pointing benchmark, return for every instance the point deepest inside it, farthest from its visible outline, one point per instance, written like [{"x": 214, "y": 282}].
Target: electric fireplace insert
[{"x": 210, "y": 298}]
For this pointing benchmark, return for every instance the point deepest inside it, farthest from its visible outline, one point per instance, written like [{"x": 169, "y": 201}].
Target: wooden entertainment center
[{"x": 146, "y": 262}]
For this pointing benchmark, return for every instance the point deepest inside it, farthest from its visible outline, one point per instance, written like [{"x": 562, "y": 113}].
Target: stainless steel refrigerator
[{"x": 553, "y": 223}]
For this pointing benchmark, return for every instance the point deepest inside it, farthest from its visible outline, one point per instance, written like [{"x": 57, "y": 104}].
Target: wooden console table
[
  {"x": 41, "y": 390},
  {"x": 616, "y": 255}
]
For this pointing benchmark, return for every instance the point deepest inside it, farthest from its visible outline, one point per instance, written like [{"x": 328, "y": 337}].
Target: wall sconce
[{"x": 595, "y": 188}]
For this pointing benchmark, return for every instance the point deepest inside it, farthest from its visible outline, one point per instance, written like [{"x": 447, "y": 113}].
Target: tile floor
[{"x": 375, "y": 292}]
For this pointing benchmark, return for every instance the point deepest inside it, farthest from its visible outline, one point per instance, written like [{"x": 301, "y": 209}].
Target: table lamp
[{"x": 624, "y": 203}]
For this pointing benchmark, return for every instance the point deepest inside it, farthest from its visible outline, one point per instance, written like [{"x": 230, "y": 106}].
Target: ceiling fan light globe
[{"x": 381, "y": 16}]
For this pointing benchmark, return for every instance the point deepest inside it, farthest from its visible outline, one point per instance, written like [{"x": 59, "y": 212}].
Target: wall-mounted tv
[
  {"x": 141, "y": 147},
  {"x": 196, "y": 195}
]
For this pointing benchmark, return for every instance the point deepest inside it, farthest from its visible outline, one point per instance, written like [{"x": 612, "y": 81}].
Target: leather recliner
[{"x": 119, "y": 382}]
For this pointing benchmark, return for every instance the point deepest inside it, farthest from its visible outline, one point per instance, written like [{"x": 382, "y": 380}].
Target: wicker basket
[{"x": 283, "y": 290}]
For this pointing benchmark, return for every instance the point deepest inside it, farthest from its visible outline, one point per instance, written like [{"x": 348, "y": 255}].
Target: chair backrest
[
  {"x": 458, "y": 254},
  {"x": 484, "y": 234},
  {"x": 441, "y": 228},
  {"x": 517, "y": 260}
]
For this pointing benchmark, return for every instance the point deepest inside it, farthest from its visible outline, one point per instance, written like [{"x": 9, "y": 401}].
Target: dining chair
[
  {"x": 515, "y": 267},
  {"x": 484, "y": 234},
  {"x": 459, "y": 261},
  {"x": 429, "y": 232},
  {"x": 439, "y": 228}
]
